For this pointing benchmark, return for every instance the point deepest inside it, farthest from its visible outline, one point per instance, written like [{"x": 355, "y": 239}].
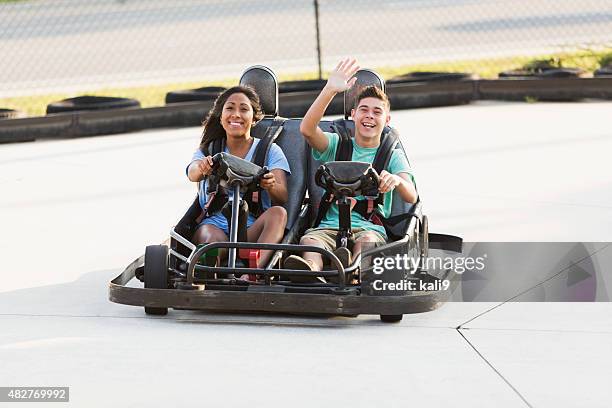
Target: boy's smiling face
[{"x": 370, "y": 117}]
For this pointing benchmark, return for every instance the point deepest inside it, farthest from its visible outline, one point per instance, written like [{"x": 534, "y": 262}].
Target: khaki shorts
[{"x": 327, "y": 236}]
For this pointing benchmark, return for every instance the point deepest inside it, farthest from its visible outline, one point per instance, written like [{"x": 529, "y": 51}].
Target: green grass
[
  {"x": 605, "y": 59},
  {"x": 154, "y": 95}
]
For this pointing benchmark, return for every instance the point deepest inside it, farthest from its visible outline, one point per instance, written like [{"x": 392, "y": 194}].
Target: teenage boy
[{"x": 371, "y": 115}]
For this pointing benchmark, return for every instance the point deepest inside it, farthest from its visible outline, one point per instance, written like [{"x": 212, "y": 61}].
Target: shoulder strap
[
  {"x": 388, "y": 141},
  {"x": 217, "y": 146},
  {"x": 344, "y": 151},
  {"x": 260, "y": 157}
]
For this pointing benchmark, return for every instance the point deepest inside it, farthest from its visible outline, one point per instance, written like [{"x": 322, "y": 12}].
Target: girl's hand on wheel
[{"x": 205, "y": 166}]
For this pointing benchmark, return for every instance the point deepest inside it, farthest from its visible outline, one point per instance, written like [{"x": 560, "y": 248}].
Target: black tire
[
  {"x": 426, "y": 76},
  {"x": 604, "y": 72},
  {"x": 301, "y": 86},
  {"x": 544, "y": 73},
  {"x": 10, "y": 114},
  {"x": 91, "y": 103},
  {"x": 208, "y": 93},
  {"x": 391, "y": 318},
  {"x": 156, "y": 274}
]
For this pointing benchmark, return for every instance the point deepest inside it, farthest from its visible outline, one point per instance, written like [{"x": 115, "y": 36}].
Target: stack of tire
[
  {"x": 295, "y": 97},
  {"x": 6, "y": 114},
  {"x": 543, "y": 69},
  {"x": 208, "y": 93},
  {"x": 91, "y": 103},
  {"x": 10, "y": 114},
  {"x": 540, "y": 80},
  {"x": 603, "y": 76},
  {"x": 605, "y": 70},
  {"x": 423, "y": 89}
]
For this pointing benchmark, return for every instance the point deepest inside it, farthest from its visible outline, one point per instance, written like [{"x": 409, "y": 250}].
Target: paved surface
[
  {"x": 76, "y": 45},
  {"x": 75, "y": 212}
]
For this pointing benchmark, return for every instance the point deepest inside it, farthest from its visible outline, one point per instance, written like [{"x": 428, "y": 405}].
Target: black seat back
[
  {"x": 290, "y": 140},
  {"x": 365, "y": 78},
  {"x": 263, "y": 80}
]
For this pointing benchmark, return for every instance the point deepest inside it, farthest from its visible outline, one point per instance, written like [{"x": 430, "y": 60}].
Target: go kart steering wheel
[
  {"x": 348, "y": 179},
  {"x": 230, "y": 170}
]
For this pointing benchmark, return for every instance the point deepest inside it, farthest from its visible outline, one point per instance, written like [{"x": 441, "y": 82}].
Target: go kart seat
[{"x": 290, "y": 140}]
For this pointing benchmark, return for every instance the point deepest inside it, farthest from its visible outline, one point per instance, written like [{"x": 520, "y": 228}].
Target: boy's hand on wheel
[
  {"x": 340, "y": 79},
  {"x": 387, "y": 181}
]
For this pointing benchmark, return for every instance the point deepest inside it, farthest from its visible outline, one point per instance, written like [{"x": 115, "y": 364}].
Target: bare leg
[
  {"x": 315, "y": 259},
  {"x": 268, "y": 228},
  {"x": 208, "y": 233},
  {"x": 369, "y": 237}
]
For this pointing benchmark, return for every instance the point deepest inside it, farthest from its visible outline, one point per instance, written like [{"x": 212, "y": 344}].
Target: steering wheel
[
  {"x": 230, "y": 170},
  {"x": 348, "y": 179}
]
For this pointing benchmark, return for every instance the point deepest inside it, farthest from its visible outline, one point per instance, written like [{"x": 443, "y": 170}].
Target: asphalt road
[
  {"x": 75, "y": 44},
  {"x": 75, "y": 212}
]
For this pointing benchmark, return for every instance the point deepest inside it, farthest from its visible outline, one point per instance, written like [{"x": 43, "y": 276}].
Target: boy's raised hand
[{"x": 340, "y": 79}]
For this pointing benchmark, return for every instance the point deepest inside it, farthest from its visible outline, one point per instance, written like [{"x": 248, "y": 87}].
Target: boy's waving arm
[{"x": 339, "y": 81}]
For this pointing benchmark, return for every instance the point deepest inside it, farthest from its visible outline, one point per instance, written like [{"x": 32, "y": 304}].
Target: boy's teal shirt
[{"x": 397, "y": 164}]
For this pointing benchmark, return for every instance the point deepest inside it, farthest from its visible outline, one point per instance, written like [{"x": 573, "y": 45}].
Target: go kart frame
[{"x": 181, "y": 275}]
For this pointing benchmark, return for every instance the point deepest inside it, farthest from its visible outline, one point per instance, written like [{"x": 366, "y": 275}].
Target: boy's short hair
[{"x": 372, "y": 92}]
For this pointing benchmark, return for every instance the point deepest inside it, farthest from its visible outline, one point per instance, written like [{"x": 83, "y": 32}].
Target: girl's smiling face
[{"x": 237, "y": 115}]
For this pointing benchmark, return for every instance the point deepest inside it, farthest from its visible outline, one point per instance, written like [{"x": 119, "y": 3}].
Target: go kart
[{"x": 181, "y": 275}]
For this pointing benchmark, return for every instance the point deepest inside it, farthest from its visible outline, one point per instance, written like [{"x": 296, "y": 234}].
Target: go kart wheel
[
  {"x": 391, "y": 318},
  {"x": 156, "y": 274}
]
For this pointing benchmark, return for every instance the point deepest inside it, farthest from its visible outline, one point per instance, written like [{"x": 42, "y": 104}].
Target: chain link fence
[{"x": 144, "y": 48}]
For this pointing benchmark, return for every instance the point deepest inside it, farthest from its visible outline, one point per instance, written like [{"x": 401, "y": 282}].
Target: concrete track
[{"x": 75, "y": 212}]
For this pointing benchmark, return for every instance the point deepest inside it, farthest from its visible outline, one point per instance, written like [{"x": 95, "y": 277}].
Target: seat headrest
[
  {"x": 263, "y": 80},
  {"x": 365, "y": 78}
]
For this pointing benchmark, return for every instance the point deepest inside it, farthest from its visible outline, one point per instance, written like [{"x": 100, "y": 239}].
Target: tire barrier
[
  {"x": 91, "y": 103},
  {"x": 295, "y": 97},
  {"x": 426, "y": 89},
  {"x": 543, "y": 73},
  {"x": 543, "y": 69},
  {"x": 10, "y": 114},
  {"x": 603, "y": 72},
  {"x": 295, "y": 104},
  {"x": 207, "y": 93},
  {"x": 427, "y": 76},
  {"x": 302, "y": 86},
  {"x": 538, "y": 69},
  {"x": 410, "y": 95},
  {"x": 102, "y": 122},
  {"x": 403, "y": 95},
  {"x": 551, "y": 89}
]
